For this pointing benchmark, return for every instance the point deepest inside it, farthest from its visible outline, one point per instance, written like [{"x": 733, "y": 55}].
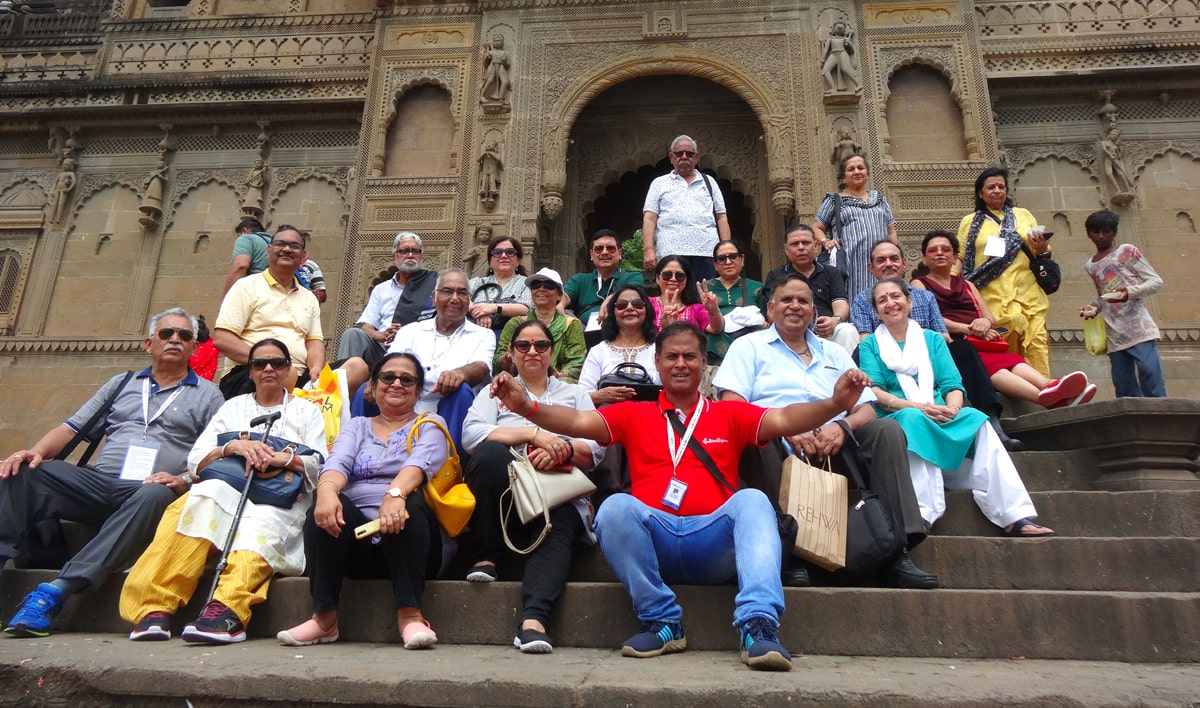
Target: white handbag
[{"x": 535, "y": 492}]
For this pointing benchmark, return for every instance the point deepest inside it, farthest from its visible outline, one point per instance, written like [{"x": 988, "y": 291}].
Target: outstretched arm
[
  {"x": 557, "y": 419},
  {"x": 805, "y": 417}
]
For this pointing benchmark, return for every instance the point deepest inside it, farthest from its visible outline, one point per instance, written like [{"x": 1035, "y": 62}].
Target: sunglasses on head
[
  {"x": 167, "y": 332},
  {"x": 497, "y": 252},
  {"x": 406, "y": 380},
  {"x": 727, "y": 257},
  {"x": 604, "y": 248},
  {"x": 539, "y": 284},
  {"x": 684, "y": 153},
  {"x": 673, "y": 275},
  {"x": 636, "y": 303},
  {"x": 523, "y": 345},
  {"x": 275, "y": 362}
]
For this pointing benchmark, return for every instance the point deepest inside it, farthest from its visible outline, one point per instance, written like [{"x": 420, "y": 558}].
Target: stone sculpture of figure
[
  {"x": 475, "y": 263},
  {"x": 496, "y": 83},
  {"x": 490, "y": 168},
  {"x": 152, "y": 199},
  {"x": 844, "y": 147},
  {"x": 63, "y": 184},
  {"x": 839, "y": 66},
  {"x": 1112, "y": 169},
  {"x": 252, "y": 202}
]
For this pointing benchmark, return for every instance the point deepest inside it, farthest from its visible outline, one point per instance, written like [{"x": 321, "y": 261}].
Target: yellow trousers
[{"x": 166, "y": 575}]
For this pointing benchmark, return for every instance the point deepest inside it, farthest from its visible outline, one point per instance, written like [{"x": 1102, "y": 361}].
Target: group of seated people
[{"x": 425, "y": 350}]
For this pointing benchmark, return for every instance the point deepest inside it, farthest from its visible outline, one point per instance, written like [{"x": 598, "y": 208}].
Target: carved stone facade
[{"x": 357, "y": 118}]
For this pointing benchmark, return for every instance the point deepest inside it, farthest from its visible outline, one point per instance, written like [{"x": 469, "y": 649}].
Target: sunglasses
[
  {"x": 288, "y": 245},
  {"x": 167, "y": 332},
  {"x": 637, "y": 304},
  {"x": 276, "y": 363},
  {"x": 727, "y": 257},
  {"x": 497, "y": 252},
  {"x": 604, "y": 248},
  {"x": 408, "y": 251},
  {"x": 684, "y": 153},
  {"x": 539, "y": 284},
  {"x": 406, "y": 380},
  {"x": 939, "y": 249},
  {"x": 673, "y": 275},
  {"x": 523, "y": 345}
]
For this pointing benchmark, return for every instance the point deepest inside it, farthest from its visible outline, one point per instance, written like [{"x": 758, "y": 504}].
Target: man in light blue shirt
[{"x": 787, "y": 363}]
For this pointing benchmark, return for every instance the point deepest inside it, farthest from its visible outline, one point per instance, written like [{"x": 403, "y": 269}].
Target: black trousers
[
  {"x": 407, "y": 558},
  {"x": 549, "y": 565},
  {"x": 976, "y": 381},
  {"x": 881, "y": 457}
]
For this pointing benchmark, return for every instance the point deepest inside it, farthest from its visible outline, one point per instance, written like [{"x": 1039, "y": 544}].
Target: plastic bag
[
  {"x": 1095, "y": 335},
  {"x": 326, "y": 395}
]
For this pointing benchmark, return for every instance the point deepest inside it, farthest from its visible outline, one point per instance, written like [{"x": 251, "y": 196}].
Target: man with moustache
[
  {"x": 585, "y": 293},
  {"x": 684, "y": 214},
  {"x": 153, "y": 420},
  {"x": 827, "y": 284}
]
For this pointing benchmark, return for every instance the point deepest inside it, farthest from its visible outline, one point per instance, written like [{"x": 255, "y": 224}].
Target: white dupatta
[{"x": 911, "y": 364}]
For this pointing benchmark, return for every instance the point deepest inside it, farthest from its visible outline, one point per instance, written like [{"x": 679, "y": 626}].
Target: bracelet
[
  {"x": 536, "y": 430},
  {"x": 291, "y": 458},
  {"x": 536, "y": 405},
  {"x": 324, "y": 481},
  {"x": 223, "y": 455}
]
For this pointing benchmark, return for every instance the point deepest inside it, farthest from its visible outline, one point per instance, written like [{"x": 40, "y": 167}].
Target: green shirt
[
  {"x": 588, "y": 290},
  {"x": 569, "y": 347},
  {"x": 727, "y": 300}
]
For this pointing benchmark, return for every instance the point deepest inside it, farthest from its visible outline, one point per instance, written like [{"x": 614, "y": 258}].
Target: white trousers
[
  {"x": 845, "y": 335},
  {"x": 990, "y": 475}
]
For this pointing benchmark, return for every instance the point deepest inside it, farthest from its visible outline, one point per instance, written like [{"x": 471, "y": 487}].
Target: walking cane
[{"x": 269, "y": 419}]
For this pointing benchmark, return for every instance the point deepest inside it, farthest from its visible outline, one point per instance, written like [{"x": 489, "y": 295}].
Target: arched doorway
[{"x": 619, "y": 145}]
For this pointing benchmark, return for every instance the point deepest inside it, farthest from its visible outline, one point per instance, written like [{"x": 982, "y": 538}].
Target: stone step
[
  {"x": 1052, "y": 624},
  {"x": 1053, "y": 471},
  {"x": 1153, "y": 513},
  {"x": 95, "y": 670}
]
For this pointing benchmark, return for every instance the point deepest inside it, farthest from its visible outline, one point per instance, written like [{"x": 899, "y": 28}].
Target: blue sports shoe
[
  {"x": 37, "y": 612},
  {"x": 761, "y": 648},
  {"x": 655, "y": 639}
]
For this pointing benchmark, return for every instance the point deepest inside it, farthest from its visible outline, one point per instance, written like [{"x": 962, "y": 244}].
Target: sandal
[{"x": 1021, "y": 528}]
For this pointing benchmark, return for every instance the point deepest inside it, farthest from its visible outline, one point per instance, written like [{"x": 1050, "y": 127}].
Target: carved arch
[
  {"x": 24, "y": 192},
  {"x": 1016, "y": 171},
  {"x": 286, "y": 183},
  {"x": 182, "y": 190},
  {"x": 932, "y": 63},
  {"x": 1182, "y": 151},
  {"x": 91, "y": 185}
]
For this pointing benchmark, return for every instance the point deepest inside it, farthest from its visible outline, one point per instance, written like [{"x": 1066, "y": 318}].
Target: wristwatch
[
  {"x": 397, "y": 493},
  {"x": 498, "y": 309}
]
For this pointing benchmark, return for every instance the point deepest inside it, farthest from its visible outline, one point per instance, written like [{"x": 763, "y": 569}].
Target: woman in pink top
[{"x": 684, "y": 300}]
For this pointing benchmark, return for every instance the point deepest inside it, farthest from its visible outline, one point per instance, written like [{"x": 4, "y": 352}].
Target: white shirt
[
  {"x": 437, "y": 352},
  {"x": 381, "y": 305},
  {"x": 686, "y": 226}
]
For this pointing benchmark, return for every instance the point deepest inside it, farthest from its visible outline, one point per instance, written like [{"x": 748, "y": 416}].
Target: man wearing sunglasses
[
  {"x": 684, "y": 214},
  {"x": 402, "y": 299},
  {"x": 585, "y": 293},
  {"x": 153, "y": 417},
  {"x": 271, "y": 305}
]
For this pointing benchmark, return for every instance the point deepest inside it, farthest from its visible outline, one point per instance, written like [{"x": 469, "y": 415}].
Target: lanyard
[
  {"x": 611, "y": 283},
  {"x": 677, "y": 452},
  {"x": 147, "y": 419}
]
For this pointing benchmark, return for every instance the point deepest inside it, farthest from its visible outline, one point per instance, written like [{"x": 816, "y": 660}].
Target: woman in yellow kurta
[{"x": 992, "y": 258}]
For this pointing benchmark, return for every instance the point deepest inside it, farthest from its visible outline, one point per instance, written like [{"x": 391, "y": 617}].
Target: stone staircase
[{"x": 1120, "y": 583}]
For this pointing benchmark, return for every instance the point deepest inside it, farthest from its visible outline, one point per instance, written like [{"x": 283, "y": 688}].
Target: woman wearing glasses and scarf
[
  {"x": 489, "y": 433},
  {"x": 546, "y": 289},
  {"x": 993, "y": 259}
]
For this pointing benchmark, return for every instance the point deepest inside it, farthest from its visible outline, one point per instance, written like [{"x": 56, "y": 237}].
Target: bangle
[
  {"x": 324, "y": 481},
  {"x": 291, "y": 458},
  {"x": 533, "y": 437},
  {"x": 536, "y": 404},
  {"x": 223, "y": 455}
]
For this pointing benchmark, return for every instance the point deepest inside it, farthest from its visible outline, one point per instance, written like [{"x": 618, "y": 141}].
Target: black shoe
[
  {"x": 794, "y": 574},
  {"x": 1010, "y": 444},
  {"x": 906, "y": 575}
]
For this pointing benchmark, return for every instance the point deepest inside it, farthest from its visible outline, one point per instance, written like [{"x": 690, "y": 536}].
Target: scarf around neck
[
  {"x": 911, "y": 364},
  {"x": 991, "y": 269}
]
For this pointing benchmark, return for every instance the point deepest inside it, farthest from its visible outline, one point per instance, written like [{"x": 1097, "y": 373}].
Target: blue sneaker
[
  {"x": 37, "y": 612},
  {"x": 655, "y": 639},
  {"x": 761, "y": 648}
]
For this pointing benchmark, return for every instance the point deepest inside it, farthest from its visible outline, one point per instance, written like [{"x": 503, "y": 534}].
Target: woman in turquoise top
[{"x": 949, "y": 447}]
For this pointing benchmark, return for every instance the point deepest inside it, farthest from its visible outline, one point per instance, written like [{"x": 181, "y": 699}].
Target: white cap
[
  {"x": 546, "y": 274},
  {"x": 740, "y": 318}
]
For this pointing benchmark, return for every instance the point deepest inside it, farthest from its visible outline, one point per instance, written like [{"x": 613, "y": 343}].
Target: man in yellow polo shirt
[{"x": 271, "y": 304}]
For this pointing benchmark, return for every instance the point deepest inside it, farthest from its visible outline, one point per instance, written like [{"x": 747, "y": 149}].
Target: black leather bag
[
  {"x": 274, "y": 487},
  {"x": 1045, "y": 270},
  {"x": 634, "y": 376},
  {"x": 872, "y": 540}
]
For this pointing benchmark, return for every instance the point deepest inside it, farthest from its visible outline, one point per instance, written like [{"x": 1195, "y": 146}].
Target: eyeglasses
[
  {"x": 604, "y": 248},
  {"x": 450, "y": 292},
  {"x": 387, "y": 378},
  {"x": 727, "y": 257},
  {"x": 407, "y": 251},
  {"x": 288, "y": 245},
  {"x": 673, "y": 275},
  {"x": 684, "y": 153},
  {"x": 167, "y": 332},
  {"x": 889, "y": 259},
  {"x": 636, "y": 303},
  {"x": 497, "y": 252},
  {"x": 523, "y": 345},
  {"x": 539, "y": 284},
  {"x": 939, "y": 249},
  {"x": 275, "y": 363}
]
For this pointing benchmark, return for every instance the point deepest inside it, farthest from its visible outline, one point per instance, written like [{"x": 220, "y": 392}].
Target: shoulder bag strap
[
  {"x": 99, "y": 415},
  {"x": 711, "y": 197},
  {"x": 852, "y": 459},
  {"x": 745, "y": 292},
  {"x": 700, "y": 452},
  {"x": 836, "y": 222}
]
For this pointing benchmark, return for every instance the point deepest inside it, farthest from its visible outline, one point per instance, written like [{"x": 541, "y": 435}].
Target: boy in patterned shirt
[{"x": 1123, "y": 277}]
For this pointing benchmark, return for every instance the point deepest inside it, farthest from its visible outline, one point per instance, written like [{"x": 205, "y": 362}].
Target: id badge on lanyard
[
  {"x": 141, "y": 456},
  {"x": 673, "y": 498}
]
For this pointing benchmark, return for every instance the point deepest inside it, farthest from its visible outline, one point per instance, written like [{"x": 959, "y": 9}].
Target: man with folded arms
[
  {"x": 149, "y": 428},
  {"x": 681, "y": 524},
  {"x": 788, "y": 363}
]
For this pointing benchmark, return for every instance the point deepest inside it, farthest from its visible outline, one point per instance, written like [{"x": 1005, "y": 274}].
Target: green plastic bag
[{"x": 1095, "y": 335}]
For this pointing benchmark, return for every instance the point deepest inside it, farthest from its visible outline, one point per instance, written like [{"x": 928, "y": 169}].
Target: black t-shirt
[{"x": 827, "y": 285}]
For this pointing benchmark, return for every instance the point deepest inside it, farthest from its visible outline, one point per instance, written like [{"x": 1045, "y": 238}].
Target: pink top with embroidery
[{"x": 1128, "y": 323}]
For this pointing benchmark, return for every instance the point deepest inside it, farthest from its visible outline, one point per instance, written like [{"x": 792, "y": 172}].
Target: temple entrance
[{"x": 619, "y": 145}]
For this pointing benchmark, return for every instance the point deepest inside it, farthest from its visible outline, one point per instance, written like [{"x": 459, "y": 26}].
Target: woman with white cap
[{"x": 546, "y": 290}]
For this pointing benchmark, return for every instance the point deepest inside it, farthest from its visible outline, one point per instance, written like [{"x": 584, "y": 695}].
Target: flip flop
[{"x": 1020, "y": 527}]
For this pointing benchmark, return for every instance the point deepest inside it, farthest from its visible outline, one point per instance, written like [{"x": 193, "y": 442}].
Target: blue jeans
[
  {"x": 1137, "y": 371},
  {"x": 649, "y": 549}
]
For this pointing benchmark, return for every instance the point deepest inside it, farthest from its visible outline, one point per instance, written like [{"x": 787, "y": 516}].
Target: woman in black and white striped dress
[{"x": 862, "y": 218}]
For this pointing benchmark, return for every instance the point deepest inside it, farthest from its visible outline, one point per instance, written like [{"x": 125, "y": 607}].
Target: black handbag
[
  {"x": 872, "y": 541},
  {"x": 632, "y": 375},
  {"x": 274, "y": 487},
  {"x": 490, "y": 292},
  {"x": 1045, "y": 270}
]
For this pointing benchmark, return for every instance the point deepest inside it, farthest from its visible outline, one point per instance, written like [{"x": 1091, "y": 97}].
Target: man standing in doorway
[{"x": 684, "y": 214}]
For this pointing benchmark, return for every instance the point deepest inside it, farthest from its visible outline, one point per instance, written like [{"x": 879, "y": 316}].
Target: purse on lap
[
  {"x": 535, "y": 492},
  {"x": 631, "y": 375},
  {"x": 274, "y": 486}
]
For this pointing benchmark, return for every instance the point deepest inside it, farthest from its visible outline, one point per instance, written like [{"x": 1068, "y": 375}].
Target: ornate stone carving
[
  {"x": 839, "y": 63},
  {"x": 490, "y": 169},
  {"x": 252, "y": 204},
  {"x": 156, "y": 184},
  {"x": 60, "y": 196},
  {"x": 1110, "y": 163},
  {"x": 844, "y": 147},
  {"x": 497, "y": 82},
  {"x": 235, "y": 54},
  {"x": 475, "y": 263}
]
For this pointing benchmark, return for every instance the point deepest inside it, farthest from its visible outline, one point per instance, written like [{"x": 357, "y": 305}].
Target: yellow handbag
[{"x": 446, "y": 493}]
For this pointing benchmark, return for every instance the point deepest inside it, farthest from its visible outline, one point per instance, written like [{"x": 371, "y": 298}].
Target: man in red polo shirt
[{"x": 680, "y": 525}]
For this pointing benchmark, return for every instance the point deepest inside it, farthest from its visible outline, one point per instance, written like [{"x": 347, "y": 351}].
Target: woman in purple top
[{"x": 371, "y": 474}]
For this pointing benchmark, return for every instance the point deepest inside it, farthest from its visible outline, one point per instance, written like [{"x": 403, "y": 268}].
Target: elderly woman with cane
[{"x": 165, "y": 577}]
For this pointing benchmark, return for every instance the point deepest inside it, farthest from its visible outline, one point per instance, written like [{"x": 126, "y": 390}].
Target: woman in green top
[
  {"x": 546, "y": 289},
  {"x": 732, "y": 291}
]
